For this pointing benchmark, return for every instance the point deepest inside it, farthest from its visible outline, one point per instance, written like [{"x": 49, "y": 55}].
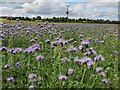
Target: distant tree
[
  {"x": 27, "y": 18},
  {"x": 38, "y": 18}
]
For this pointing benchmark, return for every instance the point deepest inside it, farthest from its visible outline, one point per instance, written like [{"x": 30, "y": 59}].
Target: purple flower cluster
[
  {"x": 90, "y": 51},
  {"x": 32, "y": 48},
  {"x": 85, "y": 60},
  {"x": 18, "y": 64},
  {"x": 15, "y": 50},
  {"x": 85, "y": 43},
  {"x": 84, "y": 46},
  {"x": 99, "y": 70},
  {"x": 72, "y": 49},
  {"x": 62, "y": 41}
]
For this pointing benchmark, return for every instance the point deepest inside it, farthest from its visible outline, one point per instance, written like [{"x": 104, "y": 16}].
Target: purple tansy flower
[
  {"x": 90, "y": 63},
  {"x": 57, "y": 38},
  {"x": 32, "y": 48},
  {"x": 54, "y": 43},
  {"x": 47, "y": 41},
  {"x": 11, "y": 50},
  {"x": 102, "y": 74},
  {"x": 87, "y": 53},
  {"x": 71, "y": 48},
  {"x": 105, "y": 81},
  {"x": 62, "y": 41},
  {"x": 40, "y": 57},
  {"x": 85, "y": 59},
  {"x": 17, "y": 50},
  {"x": 10, "y": 78},
  {"x": 28, "y": 50},
  {"x": 92, "y": 51},
  {"x": 98, "y": 69},
  {"x": 3, "y": 48},
  {"x": 18, "y": 64},
  {"x": 81, "y": 36},
  {"x": 7, "y": 66},
  {"x": 80, "y": 47},
  {"x": 62, "y": 77},
  {"x": 65, "y": 59},
  {"x": 70, "y": 71},
  {"x": 35, "y": 48},
  {"x": 35, "y": 45},
  {"x": 49, "y": 26},
  {"x": 1, "y": 35},
  {"x": 99, "y": 57},
  {"x": 32, "y": 76},
  {"x": 77, "y": 60},
  {"x": 85, "y": 43}
]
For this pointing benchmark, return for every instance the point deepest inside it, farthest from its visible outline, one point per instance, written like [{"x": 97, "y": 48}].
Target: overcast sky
[{"x": 93, "y": 9}]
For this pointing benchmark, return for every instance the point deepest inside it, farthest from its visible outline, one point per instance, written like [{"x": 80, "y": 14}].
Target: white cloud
[
  {"x": 37, "y": 7},
  {"x": 96, "y": 10},
  {"x": 102, "y": 9}
]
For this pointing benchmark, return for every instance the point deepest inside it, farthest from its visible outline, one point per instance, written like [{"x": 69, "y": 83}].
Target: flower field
[{"x": 48, "y": 55}]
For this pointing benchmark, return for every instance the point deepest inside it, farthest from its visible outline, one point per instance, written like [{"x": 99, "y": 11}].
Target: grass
[{"x": 51, "y": 67}]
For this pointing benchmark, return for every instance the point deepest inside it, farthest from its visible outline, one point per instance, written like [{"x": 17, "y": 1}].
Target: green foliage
[{"x": 63, "y": 19}]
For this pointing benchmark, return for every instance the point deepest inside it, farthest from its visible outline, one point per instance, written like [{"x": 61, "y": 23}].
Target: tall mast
[{"x": 67, "y": 11}]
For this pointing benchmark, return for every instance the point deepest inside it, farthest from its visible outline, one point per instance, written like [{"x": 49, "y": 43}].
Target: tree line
[{"x": 62, "y": 20}]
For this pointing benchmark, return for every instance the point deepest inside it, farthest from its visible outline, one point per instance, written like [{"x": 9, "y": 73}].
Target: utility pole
[{"x": 67, "y": 11}]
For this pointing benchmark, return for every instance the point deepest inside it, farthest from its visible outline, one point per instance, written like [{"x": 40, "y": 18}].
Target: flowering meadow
[{"x": 50, "y": 55}]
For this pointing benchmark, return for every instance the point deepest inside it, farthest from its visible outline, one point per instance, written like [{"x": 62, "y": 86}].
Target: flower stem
[
  {"x": 94, "y": 81},
  {"x": 83, "y": 76}
]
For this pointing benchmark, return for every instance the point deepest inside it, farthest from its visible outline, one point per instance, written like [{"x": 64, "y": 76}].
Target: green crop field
[{"x": 51, "y": 55}]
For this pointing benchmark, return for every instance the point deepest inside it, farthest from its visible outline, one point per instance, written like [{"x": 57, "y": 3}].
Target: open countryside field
[{"x": 50, "y": 55}]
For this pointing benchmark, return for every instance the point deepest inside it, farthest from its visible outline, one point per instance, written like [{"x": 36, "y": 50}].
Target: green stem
[
  {"x": 94, "y": 81},
  {"x": 88, "y": 81},
  {"x": 83, "y": 76}
]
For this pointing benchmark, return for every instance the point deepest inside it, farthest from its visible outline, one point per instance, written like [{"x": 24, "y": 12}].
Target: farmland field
[{"x": 43, "y": 55}]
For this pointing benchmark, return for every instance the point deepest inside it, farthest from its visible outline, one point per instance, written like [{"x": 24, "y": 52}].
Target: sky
[{"x": 92, "y": 9}]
